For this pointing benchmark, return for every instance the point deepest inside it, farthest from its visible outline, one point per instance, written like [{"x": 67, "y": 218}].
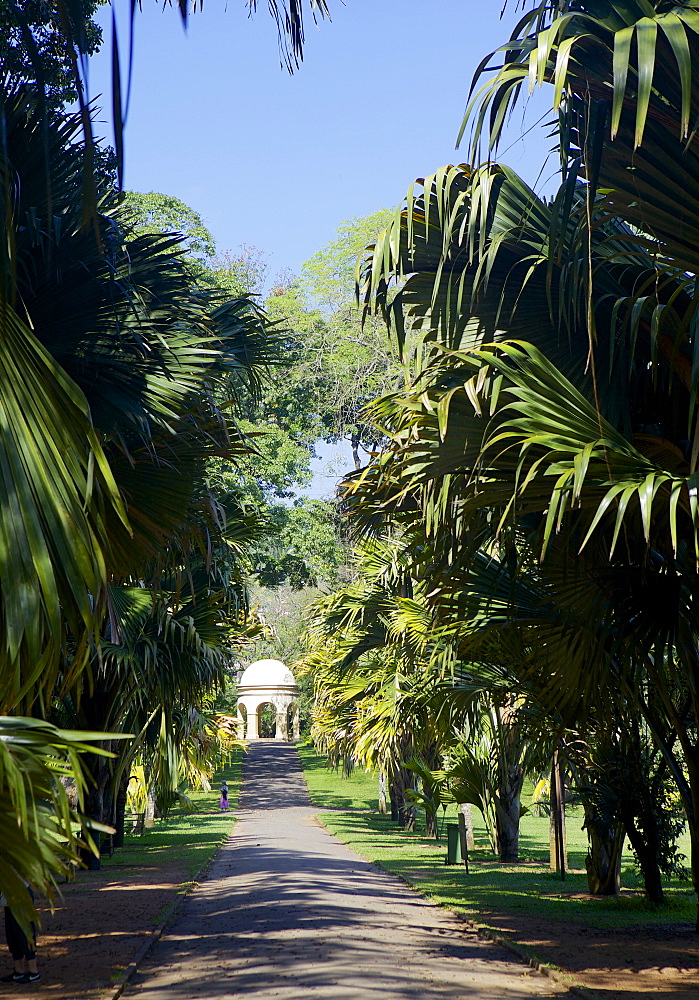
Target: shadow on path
[{"x": 288, "y": 913}]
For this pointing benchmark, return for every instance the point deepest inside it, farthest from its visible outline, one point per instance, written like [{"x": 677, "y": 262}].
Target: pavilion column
[
  {"x": 281, "y": 733},
  {"x": 240, "y": 725},
  {"x": 253, "y": 730}
]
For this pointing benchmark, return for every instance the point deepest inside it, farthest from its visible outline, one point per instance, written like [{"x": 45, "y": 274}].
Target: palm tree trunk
[
  {"x": 96, "y": 805},
  {"x": 687, "y": 784},
  {"x": 692, "y": 812},
  {"x": 557, "y": 834},
  {"x": 149, "y": 819},
  {"x": 646, "y": 848},
  {"x": 507, "y": 824},
  {"x": 694, "y": 863},
  {"x": 511, "y": 779},
  {"x": 120, "y": 811},
  {"x": 603, "y": 862},
  {"x": 405, "y": 809},
  {"x": 394, "y": 799}
]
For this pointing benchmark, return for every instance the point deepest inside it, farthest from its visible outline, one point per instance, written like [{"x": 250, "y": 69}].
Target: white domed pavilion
[{"x": 268, "y": 682}]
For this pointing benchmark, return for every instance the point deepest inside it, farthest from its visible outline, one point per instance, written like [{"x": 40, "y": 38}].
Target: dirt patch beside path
[
  {"x": 97, "y": 929},
  {"x": 658, "y": 962},
  {"x": 105, "y": 917}
]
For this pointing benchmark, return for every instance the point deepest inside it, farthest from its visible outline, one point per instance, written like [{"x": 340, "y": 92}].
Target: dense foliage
[
  {"x": 539, "y": 468},
  {"x": 122, "y": 573}
]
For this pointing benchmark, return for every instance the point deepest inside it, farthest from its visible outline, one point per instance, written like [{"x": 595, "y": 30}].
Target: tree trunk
[
  {"x": 553, "y": 850},
  {"x": 394, "y": 799},
  {"x": 558, "y": 852},
  {"x": 507, "y": 828},
  {"x": 603, "y": 862},
  {"x": 507, "y": 810},
  {"x": 694, "y": 862},
  {"x": 402, "y": 781},
  {"x": 382, "y": 793},
  {"x": 647, "y": 853},
  {"x": 120, "y": 812},
  {"x": 95, "y": 805},
  {"x": 691, "y": 808},
  {"x": 355, "y": 452},
  {"x": 149, "y": 818},
  {"x": 511, "y": 778},
  {"x": 406, "y": 817}
]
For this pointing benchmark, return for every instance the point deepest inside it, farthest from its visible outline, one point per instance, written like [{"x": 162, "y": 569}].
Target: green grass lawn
[
  {"x": 331, "y": 790},
  {"x": 187, "y": 838},
  {"x": 527, "y": 887}
]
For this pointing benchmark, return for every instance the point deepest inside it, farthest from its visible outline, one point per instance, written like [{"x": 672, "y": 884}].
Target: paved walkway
[{"x": 288, "y": 912}]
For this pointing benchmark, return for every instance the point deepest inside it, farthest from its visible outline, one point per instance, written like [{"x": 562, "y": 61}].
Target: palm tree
[
  {"x": 37, "y": 822},
  {"x": 582, "y": 436},
  {"x": 113, "y": 363},
  {"x": 110, "y": 360},
  {"x": 391, "y": 693}
]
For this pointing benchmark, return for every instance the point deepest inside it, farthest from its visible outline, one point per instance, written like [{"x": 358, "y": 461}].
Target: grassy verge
[
  {"x": 490, "y": 888},
  {"x": 188, "y": 839},
  {"x": 330, "y": 790}
]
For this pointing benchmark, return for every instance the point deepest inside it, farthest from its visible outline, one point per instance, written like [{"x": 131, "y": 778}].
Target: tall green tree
[
  {"x": 38, "y": 40},
  {"x": 156, "y": 214},
  {"x": 112, "y": 359},
  {"x": 581, "y": 435},
  {"x": 329, "y": 276},
  {"x": 337, "y": 364}
]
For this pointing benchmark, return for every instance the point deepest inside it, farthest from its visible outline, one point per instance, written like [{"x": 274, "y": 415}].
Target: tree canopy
[{"x": 539, "y": 464}]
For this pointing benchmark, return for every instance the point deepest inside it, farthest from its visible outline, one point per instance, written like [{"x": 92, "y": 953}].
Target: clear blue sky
[{"x": 278, "y": 161}]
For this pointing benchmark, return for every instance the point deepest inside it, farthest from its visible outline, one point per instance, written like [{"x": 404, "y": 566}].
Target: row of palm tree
[
  {"x": 121, "y": 572},
  {"x": 392, "y": 695},
  {"x": 540, "y": 469}
]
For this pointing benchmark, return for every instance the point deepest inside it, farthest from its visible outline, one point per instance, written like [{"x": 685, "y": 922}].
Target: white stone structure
[{"x": 268, "y": 682}]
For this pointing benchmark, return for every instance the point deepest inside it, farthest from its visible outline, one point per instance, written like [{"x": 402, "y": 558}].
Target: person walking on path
[
  {"x": 22, "y": 948},
  {"x": 289, "y": 913},
  {"x": 223, "y": 803}
]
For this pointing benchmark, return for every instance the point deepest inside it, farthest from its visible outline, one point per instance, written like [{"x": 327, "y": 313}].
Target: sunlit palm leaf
[{"x": 37, "y": 823}]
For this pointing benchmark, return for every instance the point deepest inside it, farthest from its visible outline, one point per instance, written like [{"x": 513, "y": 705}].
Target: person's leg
[
  {"x": 16, "y": 941},
  {"x": 30, "y": 953}
]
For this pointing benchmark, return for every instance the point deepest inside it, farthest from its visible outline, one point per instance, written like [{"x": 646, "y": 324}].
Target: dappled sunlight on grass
[
  {"x": 331, "y": 789},
  {"x": 186, "y": 838},
  {"x": 525, "y": 888}
]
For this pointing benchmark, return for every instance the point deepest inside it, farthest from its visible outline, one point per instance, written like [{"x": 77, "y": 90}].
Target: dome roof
[{"x": 267, "y": 673}]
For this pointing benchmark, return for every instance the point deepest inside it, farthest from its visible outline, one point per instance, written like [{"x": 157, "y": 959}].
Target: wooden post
[{"x": 383, "y": 808}]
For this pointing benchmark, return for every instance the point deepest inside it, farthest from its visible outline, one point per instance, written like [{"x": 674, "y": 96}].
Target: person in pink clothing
[{"x": 224, "y": 796}]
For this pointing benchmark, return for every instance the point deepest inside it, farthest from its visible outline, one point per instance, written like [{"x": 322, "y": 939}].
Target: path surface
[{"x": 290, "y": 913}]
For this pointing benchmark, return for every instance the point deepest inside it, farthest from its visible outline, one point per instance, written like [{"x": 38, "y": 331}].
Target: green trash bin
[{"x": 453, "y": 844}]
